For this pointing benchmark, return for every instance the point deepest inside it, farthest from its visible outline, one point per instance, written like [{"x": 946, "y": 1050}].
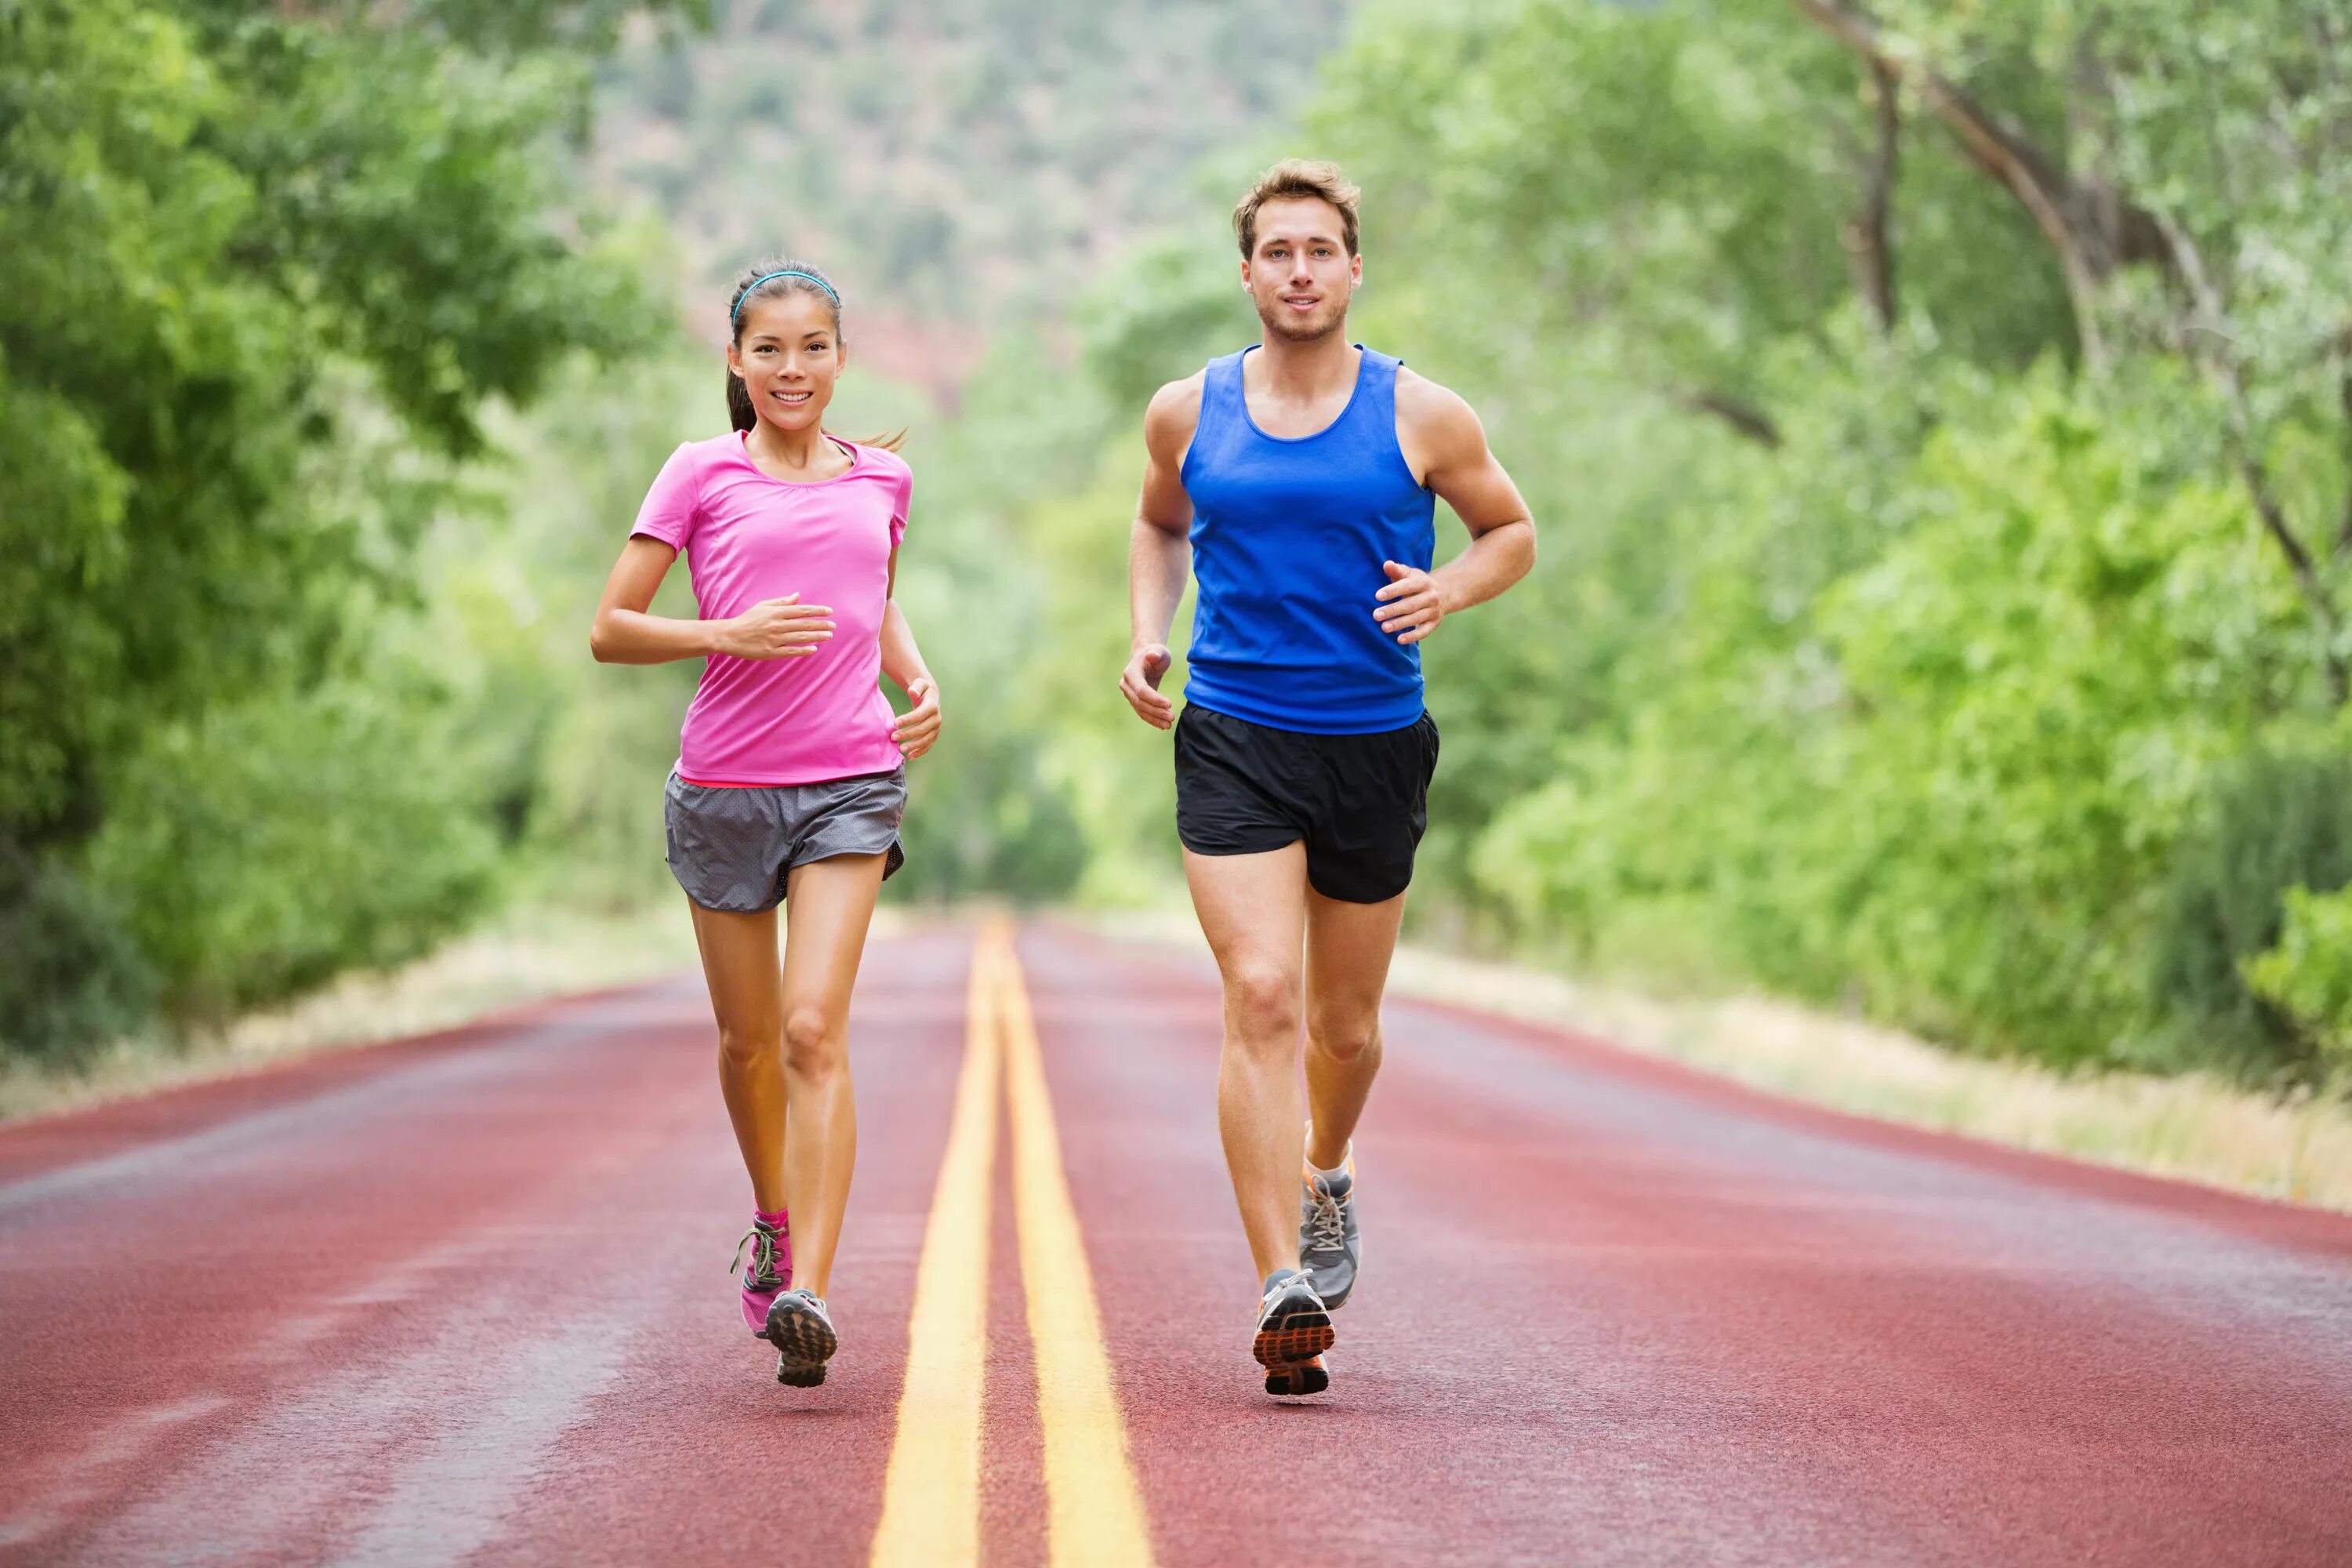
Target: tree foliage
[
  {"x": 1934, "y": 422},
  {"x": 1921, "y": 684},
  {"x": 2308, "y": 974},
  {"x": 260, "y": 271},
  {"x": 1938, "y": 420}
]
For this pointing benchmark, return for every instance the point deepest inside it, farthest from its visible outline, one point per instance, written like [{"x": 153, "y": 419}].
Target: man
[{"x": 1296, "y": 481}]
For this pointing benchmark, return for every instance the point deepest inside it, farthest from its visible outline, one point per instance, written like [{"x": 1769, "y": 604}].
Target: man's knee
[
  {"x": 1262, "y": 1005},
  {"x": 1346, "y": 1037}
]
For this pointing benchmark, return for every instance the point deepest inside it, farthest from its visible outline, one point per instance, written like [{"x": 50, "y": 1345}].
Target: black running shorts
[{"x": 1359, "y": 801}]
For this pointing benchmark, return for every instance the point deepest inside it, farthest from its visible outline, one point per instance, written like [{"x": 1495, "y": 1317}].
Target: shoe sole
[
  {"x": 804, "y": 1341},
  {"x": 1300, "y": 1377},
  {"x": 1287, "y": 1345}
]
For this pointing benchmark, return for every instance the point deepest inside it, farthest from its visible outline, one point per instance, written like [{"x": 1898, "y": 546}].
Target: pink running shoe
[{"x": 769, "y": 1274}]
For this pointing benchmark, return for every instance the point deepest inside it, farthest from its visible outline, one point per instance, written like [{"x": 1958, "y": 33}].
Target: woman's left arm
[{"x": 902, "y": 661}]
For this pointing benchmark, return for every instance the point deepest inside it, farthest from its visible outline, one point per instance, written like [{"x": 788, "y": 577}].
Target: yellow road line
[
  {"x": 1095, "y": 1510},
  {"x": 930, "y": 1497}
]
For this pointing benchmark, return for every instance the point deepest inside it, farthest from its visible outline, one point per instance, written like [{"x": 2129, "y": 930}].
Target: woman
[{"x": 790, "y": 776}]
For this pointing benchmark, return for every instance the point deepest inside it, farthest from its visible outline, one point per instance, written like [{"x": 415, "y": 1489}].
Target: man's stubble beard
[{"x": 1286, "y": 327}]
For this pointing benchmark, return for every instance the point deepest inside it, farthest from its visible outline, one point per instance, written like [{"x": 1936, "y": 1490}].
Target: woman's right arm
[{"x": 622, "y": 633}]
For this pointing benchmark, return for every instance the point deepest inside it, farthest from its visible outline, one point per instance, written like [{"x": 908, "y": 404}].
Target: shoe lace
[
  {"x": 762, "y": 1243},
  {"x": 1300, "y": 1280},
  {"x": 1327, "y": 1223}
]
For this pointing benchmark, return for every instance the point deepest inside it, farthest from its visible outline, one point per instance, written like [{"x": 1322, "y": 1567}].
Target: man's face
[{"x": 1300, "y": 273}]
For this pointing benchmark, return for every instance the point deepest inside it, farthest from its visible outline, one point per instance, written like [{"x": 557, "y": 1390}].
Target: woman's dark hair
[{"x": 772, "y": 278}]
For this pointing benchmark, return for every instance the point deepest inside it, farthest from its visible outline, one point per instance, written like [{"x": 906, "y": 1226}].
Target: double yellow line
[{"x": 930, "y": 1497}]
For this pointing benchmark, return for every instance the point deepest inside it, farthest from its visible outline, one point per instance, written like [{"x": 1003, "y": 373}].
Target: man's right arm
[{"x": 1158, "y": 549}]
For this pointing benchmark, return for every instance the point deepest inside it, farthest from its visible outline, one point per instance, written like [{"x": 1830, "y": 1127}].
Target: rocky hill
[{"x": 956, "y": 167}]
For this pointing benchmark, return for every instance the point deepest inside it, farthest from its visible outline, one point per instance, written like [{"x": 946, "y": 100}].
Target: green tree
[
  {"x": 260, "y": 272},
  {"x": 2019, "y": 331},
  {"x": 2186, "y": 174}
]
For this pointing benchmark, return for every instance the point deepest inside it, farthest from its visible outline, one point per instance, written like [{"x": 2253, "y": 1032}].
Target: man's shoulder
[
  {"x": 1180, "y": 393},
  {"x": 1174, "y": 411},
  {"x": 1417, "y": 396},
  {"x": 1183, "y": 395},
  {"x": 1432, "y": 409}
]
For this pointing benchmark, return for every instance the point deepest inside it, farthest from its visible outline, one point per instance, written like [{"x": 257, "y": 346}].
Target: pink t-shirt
[{"x": 748, "y": 537}]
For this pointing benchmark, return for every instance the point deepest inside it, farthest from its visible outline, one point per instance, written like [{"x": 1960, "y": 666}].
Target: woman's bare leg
[
  {"x": 828, "y": 905},
  {"x": 739, "y": 962}
]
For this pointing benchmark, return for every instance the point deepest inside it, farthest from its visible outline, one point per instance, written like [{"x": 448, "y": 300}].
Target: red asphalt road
[{"x": 462, "y": 1300}]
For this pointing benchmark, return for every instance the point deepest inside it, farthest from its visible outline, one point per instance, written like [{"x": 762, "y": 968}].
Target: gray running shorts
[{"x": 732, "y": 847}]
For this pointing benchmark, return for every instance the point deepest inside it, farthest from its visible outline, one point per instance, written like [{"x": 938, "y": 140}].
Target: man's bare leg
[
  {"x": 1253, "y": 909},
  {"x": 1348, "y": 950}
]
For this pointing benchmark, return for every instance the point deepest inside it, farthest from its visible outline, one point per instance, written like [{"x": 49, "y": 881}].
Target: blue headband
[{"x": 769, "y": 278}]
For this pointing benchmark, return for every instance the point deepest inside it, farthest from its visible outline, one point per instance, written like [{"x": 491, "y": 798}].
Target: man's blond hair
[{"x": 1296, "y": 178}]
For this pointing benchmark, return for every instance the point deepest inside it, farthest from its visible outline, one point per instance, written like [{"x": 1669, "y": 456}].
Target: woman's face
[{"x": 789, "y": 356}]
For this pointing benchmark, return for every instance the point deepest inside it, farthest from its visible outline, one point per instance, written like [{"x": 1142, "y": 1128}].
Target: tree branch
[
  {"x": 2324, "y": 618},
  {"x": 1736, "y": 411},
  {"x": 1868, "y": 245},
  {"x": 2273, "y": 516},
  {"x": 2097, "y": 230},
  {"x": 2214, "y": 349},
  {"x": 2344, "y": 527},
  {"x": 2093, "y": 229}
]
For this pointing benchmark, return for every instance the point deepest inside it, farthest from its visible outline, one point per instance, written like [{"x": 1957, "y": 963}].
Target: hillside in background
[{"x": 956, "y": 168}]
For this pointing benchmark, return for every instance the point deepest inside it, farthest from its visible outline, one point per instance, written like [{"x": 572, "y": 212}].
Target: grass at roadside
[
  {"x": 2191, "y": 1128},
  {"x": 524, "y": 956}
]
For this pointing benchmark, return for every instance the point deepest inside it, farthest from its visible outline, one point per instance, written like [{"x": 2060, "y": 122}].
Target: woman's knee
[
  {"x": 814, "y": 1041},
  {"x": 747, "y": 1045}
]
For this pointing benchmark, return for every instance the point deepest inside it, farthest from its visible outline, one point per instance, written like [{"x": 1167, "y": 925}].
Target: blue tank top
[{"x": 1288, "y": 539}]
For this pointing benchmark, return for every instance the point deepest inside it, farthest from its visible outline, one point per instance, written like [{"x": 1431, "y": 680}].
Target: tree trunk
[
  {"x": 2093, "y": 229},
  {"x": 1868, "y": 244},
  {"x": 2097, "y": 230}
]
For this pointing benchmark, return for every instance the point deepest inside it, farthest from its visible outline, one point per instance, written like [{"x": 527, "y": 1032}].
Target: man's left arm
[{"x": 1447, "y": 446}]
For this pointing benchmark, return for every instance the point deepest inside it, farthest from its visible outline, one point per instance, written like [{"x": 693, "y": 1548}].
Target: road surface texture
[{"x": 464, "y": 1300}]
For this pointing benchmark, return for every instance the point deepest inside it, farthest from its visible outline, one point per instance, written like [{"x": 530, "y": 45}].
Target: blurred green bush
[
  {"x": 74, "y": 978},
  {"x": 2308, "y": 974},
  {"x": 280, "y": 841},
  {"x": 2245, "y": 958}
]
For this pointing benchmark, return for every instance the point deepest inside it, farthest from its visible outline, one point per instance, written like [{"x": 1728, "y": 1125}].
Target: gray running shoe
[
  {"x": 1293, "y": 1332},
  {"x": 801, "y": 1331},
  {"x": 1329, "y": 1247}
]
